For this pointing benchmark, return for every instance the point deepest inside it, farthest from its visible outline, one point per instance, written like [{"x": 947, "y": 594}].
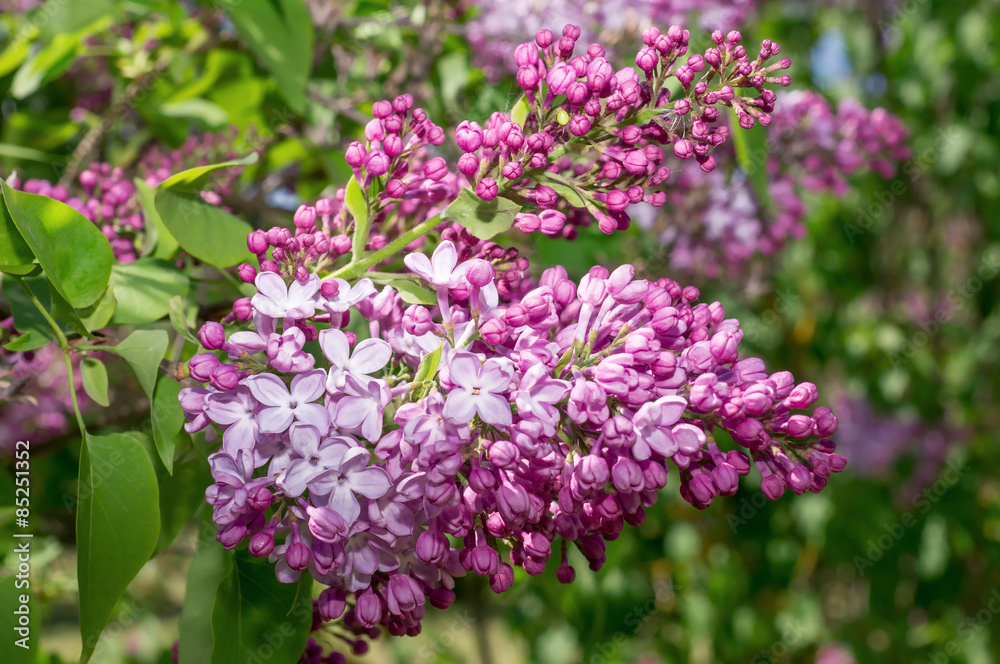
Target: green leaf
[
  {"x": 73, "y": 252},
  {"x": 412, "y": 293},
  {"x": 519, "y": 113},
  {"x": 143, "y": 289},
  {"x": 209, "y": 114},
  {"x": 65, "y": 17},
  {"x": 484, "y": 219},
  {"x": 12, "y": 56},
  {"x": 15, "y": 254},
  {"x": 117, "y": 524},
  {"x": 27, "y": 341},
  {"x": 98, "y": 315},
  {"x": 280, "y": 34},
  {"x": 195, "y": 179},
  {"x": 428, "y": 366},
  {"x": 95, "y": 380},
  {"x": 181, "y": 494},
  {"x": 357, "y": 205},
  {"x": 252, "y": 607},
  {"x": 143, "y": 350},
  {"x": 27, "y": 154},
  {"x": 572, "y": 196},
  {"x": 168, "y": 418},
  {"x": 212, "y": 565},
  {"x": 159, "y": 241},
  {"x": 208, "y": 233},
  {"x": 66, "y": 315}
]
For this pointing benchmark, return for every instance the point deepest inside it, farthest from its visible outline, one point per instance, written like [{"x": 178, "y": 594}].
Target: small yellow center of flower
[{"x": 475, "y": 390}]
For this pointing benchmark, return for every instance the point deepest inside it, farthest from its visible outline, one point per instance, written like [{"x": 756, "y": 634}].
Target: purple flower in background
[
  {"x": 368, "y": 357},
  {"x": 349, "y": 475},
  {"x": 277, "y": 300},
  {"x": 285, "y": 404},
  {"x": 479, "y": 389}
]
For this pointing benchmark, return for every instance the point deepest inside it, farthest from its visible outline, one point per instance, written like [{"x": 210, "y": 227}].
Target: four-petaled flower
[
  {"x": 440, "y": 269},
  {"x": 368, "y": 357},
  {"x": 237, "y": 410},
  {"x": 348, "y": 475},
  {"x": 277, "y": 300},
  {"x": 363, "y": 406},
  {"x": 316, "y": 456},
  {"x": 478, "y": 389},
  {"x": 537, "y": 395},
  {"x": 285, "y": 404},
  {"x": 347, "y": 296}
]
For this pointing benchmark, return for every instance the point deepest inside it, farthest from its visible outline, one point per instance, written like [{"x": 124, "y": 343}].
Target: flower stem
[{"x": 357, "y": 267}]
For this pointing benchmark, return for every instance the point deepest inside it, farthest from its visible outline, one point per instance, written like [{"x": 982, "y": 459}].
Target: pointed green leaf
[
  {"x": 412, "y": 293},
  {"x": 117, "y": 524},
  {"x": 195, "y": 179},
  {"x": 179, "y": 320},
  {"x": 95, "y": 380},
  {"x": 252, "y": 606},
  {"x": 159, "y": 242},
  {"x": 357, "y": 205},
  {"x": 205, "y": 231},
  {"x": 15, "y": 255},
  {"x": 484, "y": 219},
  {"x": 181, "y": 494},
  {"x": 519, "y": 113},
  {"x": 752, "y": 154},
  {"x": 143, "y": 350},
  {"x": 428, "y": 366},
  {"x": 168, "y": 418},
  {"x": 73, "y": 252}
]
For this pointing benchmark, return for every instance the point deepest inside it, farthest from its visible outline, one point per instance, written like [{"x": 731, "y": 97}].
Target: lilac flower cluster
[
  {"x": 43, "y": 411},
  {"x": 618, "y": 119},
  {"x": 515, "y": 429},
  {"x": 107, "y": 194},
  {"x": 496, "y": 29},
  {"x": 715, "y": 223}
]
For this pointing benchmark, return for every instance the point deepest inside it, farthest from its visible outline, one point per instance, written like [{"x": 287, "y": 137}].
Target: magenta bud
[
  {"x": 212, "y": 335},
  {"x": 261, "y": 544},
  {"x": 246, "y": 272},
  {"x": 257, "y": 242}
]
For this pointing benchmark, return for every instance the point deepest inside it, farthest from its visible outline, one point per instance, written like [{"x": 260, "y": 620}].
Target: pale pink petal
[
  {"x": 464, "y": 370},
  {"x": 308, "y": 386},
  {"x": 269, "y": 390},
  {"x": 371, "y": 482},
  {"x": 419, "y": 264},
  {"x": 369, "y": 356},
  {"x": 335, "y": 347},
  {"x": 343, "y": 502},
  {"x": 352, "y": 411},
  {"x": 314, "y": 414},
  {"x": 444, "y": 260},
  {"x": 460, "y": 407},
  {"x": 275, "y": 420},
  {"x": 305, "y": 439},
  {"x": 671, "y": 409},
  {"x": 493, "y": 409}
]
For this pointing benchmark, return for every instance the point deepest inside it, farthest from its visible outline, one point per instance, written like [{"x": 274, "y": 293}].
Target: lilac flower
[
  {"x": 537, "y": 395},
  {"x": 346, "y": 476},
  {"x": 362, "y": 406},
  {"x": 286, "y": 354},
  {"x": 652, "y": 424},
  {"x": 277, "y": 300},
  {"x": 479, "y": 389},
  {"x": 236, "y": 411},
  {"x": 368, "y": 357},
  {"x": 284, "y": 404},
  {"x": 315, "y": 457},
  {"x": 346, "y": 296},
  {"x": 441, "y": 269}
]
